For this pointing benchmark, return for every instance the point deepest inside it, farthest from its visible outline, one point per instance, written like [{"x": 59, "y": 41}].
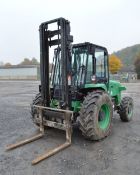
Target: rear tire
[
  {"x": 37, "y": 101},
  {"x": 96, "y": 115},
  {"x": 126, "y": 109}
]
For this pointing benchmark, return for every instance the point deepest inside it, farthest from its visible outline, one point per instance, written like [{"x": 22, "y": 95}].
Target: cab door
[{"x": 102, "y": 71}]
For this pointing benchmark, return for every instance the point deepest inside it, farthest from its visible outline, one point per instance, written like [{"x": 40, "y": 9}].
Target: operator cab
[{"x": 89, "y": 64}]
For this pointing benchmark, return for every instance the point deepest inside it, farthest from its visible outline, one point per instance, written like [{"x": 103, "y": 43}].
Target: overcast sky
[{"x": 114, "y": 24}]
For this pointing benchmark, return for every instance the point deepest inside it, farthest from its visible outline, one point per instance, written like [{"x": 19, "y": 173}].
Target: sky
[{"x": 114, "y": 24}]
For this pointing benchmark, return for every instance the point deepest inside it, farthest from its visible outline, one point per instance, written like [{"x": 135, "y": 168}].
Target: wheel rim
[
  {"x": 104, "y": 117},
  {"x": 130, "y": 110}
]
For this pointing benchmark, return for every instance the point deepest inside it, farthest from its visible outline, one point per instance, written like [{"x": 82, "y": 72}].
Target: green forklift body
[
  {"x": 96, "y": 86},
  {"x": 115, "y": 90},
  {"x": 90, "y": 71}
]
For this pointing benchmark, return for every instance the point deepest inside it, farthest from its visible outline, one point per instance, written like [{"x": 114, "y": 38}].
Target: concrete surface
[{"x": 118, "y": 154}]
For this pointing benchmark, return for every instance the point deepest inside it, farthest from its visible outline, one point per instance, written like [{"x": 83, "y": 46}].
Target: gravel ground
[{"x": 118, "y": 154}]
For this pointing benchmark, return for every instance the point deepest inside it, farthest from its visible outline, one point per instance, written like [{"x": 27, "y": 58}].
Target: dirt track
[{"x": 118, "y": 154}]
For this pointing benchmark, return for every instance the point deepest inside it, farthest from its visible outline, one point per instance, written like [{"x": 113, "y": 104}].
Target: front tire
[
  {"x": 126, "y": 109},
  {"x": 96, "y": 115}
]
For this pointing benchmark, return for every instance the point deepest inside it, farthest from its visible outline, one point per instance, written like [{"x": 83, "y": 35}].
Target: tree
[
  {"x": 137, "y": 65},
  {"x": 115, "y": 64},
  {"x": 7, "y": 64},
  {"x": 26, "y": 61},
  {"x": 34, "y": 61}
]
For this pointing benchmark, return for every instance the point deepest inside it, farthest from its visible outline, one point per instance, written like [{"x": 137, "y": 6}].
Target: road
[{"x": 118, "y": 154}]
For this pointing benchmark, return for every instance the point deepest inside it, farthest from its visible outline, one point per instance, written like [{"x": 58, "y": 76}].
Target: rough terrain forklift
[{"x": 77, "y": 91}]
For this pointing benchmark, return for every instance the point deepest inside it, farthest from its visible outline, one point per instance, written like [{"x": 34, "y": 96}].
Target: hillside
[{"x": 128, "y": 55}]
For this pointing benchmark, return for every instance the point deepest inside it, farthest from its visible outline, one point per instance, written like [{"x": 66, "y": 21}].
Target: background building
[{"x": 20, "y": 72}]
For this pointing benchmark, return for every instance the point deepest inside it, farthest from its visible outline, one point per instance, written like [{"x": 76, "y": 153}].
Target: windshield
[
  {"x": 79, "y": 60},
  {"x": 82, "y": 66}
]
